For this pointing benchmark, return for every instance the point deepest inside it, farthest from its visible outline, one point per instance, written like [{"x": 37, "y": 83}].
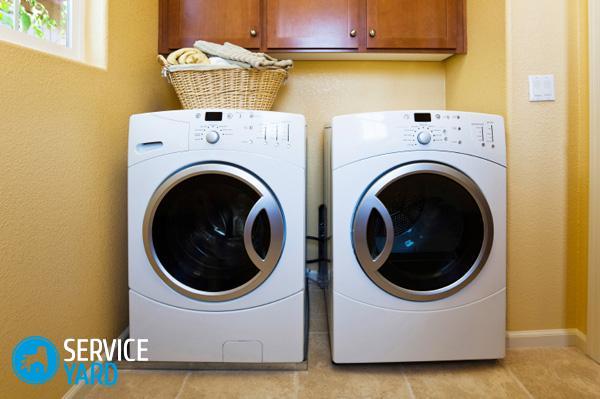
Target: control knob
[
  {"x": 424, "y": 138},
  {"x": 212, "y": 137}
]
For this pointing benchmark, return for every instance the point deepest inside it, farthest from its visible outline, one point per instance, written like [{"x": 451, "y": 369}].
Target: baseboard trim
[
  {"x": 580, "y": 340},
  {"x": 81, "y": 390},
  {"x": 546, "y": 338}
]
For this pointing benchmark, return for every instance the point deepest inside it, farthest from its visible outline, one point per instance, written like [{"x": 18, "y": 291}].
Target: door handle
[
  {"x": 353, "y": 33},
  {"x": 372, "y": 33},
  {"x": 359, "y": 233},
  {"x": 253, "y": 32},
  {"x": 269, "y": 205}
]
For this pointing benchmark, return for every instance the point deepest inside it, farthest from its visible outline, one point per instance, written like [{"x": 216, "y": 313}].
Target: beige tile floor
[{"x": 525, "y": 373}]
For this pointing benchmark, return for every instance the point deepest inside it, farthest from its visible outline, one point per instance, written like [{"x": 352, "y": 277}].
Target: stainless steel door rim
[{"x": 266, "y": 202}]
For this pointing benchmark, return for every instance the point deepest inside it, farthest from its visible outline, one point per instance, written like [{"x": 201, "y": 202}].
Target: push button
[
  {"x": 489, "y": 133},
  {"x": 283, "y": 131},
  {"x": 272, "y": 132}
]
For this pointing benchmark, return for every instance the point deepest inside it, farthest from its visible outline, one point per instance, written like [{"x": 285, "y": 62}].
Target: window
[
  {"x": 48, "y": 20},
  {"x": 53, "y": 26}
]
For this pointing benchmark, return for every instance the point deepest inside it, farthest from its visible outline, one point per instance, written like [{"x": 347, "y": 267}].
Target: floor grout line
[
  {"x": 183, "y": 384},
  {"x": 411, "y": 393},
  {"x": 518, "y": 381}
]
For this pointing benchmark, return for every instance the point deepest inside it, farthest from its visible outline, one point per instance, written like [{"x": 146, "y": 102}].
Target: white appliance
[
  {"x": 217, "y": 235},
  {"x": 417, "y": 209}
]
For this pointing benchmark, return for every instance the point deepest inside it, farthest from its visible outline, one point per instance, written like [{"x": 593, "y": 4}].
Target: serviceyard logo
[{"x": 35, "y": 360}]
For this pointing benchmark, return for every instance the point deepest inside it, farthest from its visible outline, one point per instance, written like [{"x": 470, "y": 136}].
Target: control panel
[
  {"x": 273, "y": 134},
  {"x": 249, "y": 129},
  {"x": 446, "y": 130},
  {"x": 369, "y": 134}
]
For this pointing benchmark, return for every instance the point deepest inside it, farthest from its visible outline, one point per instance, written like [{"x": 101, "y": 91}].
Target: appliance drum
[
  {"x": 213, "y": 232},
  {"x": 422, "y": 231}
]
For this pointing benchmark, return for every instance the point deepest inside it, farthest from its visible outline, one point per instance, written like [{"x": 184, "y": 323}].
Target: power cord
[{"x": 320, "y": 275}]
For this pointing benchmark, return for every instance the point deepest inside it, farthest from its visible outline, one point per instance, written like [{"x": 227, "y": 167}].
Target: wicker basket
[{"x": 227, "y": 88}]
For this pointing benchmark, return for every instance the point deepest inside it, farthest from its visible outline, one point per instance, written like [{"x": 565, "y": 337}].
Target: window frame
[{"x": 74, "y": 49}]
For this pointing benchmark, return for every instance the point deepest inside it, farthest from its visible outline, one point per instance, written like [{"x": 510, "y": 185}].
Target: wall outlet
[{"x": 541, "y": 88}]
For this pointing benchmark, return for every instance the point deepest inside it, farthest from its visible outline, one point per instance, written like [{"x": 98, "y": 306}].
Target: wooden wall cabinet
[
  {"x": 312, "y": 24},
  {"x": 363, "y": 26},
  {"x": 415, "y": 24},
  {"x": 182, "y": 22}
]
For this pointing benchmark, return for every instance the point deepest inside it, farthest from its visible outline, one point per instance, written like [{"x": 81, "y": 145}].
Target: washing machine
[
  {"x": 417, "y": 215},
  {"x": 216, "y": 214}
]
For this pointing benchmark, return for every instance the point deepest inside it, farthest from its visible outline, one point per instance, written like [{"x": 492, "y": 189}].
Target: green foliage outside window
[{"x": 33, "y": 17}]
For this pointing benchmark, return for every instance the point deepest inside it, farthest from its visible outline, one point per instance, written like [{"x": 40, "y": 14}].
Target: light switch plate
[{"x": 541, "y": 88}]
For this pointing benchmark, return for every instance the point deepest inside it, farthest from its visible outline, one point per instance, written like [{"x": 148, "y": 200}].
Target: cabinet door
[
  {"x": 235, "y": 21},
  {"x": 312, "y": 24},
  {"x": 415, "y": 24}
]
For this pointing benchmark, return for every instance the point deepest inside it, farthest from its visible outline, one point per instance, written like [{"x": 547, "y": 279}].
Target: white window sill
[{"x": 35, "y": 43}]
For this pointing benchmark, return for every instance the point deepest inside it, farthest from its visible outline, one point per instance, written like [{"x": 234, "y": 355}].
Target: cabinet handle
[
  {"x": 353, "y": 33},
  {"x": 253, "y": 32},
  {"x": 372, "y": 33}
]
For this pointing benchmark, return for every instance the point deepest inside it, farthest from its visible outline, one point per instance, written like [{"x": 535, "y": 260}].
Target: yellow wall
[
  {"x": 546, "y": 163},
  {"x": 477, "y": 81},
  {"x": 323, "y": 89},
  {"x": 578, "y": 161},
  {"x": 538, "y": 134},
  {"x": 63, "y": 265}
]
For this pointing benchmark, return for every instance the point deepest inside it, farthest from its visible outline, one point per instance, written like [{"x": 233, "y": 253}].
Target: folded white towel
[{"x": 232, "y": 52}]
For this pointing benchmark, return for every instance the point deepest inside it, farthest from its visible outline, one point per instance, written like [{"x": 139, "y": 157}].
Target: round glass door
[
  {"x": 213, "y": 232},
  {"x": 423, "y": 231}
]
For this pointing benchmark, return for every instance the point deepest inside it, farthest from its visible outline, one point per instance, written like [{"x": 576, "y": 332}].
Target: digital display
[
  {"x": 213, "y": 116},
  {"x": 422, "y": 117}
]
